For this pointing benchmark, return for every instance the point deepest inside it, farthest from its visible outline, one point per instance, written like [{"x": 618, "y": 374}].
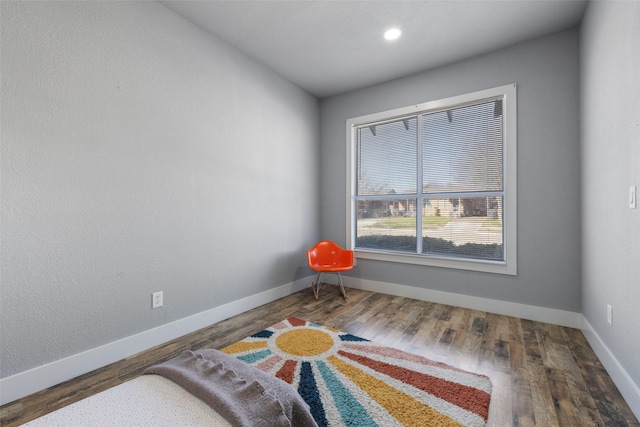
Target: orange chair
[{"x": 328, "y": 257}]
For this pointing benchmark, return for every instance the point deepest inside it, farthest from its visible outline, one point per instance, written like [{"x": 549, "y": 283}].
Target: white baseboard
[
  {"x": 530, "y": 312},
  {"x": 628, "y": 388},
  {"x": 42, "y": 377}
]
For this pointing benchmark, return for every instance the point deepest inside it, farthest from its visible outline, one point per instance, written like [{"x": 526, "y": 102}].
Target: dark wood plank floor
[{"x": 542, "y": 374}]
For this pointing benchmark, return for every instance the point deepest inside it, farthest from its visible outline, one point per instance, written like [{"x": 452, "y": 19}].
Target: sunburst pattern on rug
[{"x": 351, "y": 381}]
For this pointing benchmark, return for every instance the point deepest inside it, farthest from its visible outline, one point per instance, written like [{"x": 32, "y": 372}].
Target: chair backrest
[{"x": 327, "y": 253}]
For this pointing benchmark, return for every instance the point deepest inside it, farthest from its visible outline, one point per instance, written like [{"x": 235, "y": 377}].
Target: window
[{"x": 435, "y": 183}]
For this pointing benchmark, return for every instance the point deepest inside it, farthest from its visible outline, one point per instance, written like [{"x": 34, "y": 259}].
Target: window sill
[{"x": 495, "y": 267}]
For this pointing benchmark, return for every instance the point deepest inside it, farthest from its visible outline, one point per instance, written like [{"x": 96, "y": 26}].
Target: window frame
[{"x": 508, "y": 95}]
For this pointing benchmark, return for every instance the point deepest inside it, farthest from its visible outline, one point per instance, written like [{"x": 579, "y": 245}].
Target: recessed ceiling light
[{"x": 392, "y": 34}]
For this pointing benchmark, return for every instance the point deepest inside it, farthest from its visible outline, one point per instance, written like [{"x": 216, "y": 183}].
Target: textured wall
[
  {"x": 140, "y": 154},
  {"x": 610, "y": 113},
  {"x": 547, "y": 74}
]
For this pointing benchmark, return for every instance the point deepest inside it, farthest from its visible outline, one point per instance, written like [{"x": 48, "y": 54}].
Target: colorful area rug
[{"x": 351, "y": 381}]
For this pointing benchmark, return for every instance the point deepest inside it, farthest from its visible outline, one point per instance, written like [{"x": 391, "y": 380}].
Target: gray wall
[
  {"x": 547, "y": 74},
  {"x": 610, "y": 126},
  {"x": 136, "y": 147},
  {"x": 140, "y": 154}
]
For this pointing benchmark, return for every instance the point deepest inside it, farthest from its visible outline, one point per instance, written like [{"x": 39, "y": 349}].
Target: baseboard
[
  {"x": 628, "y": 388},
  {"x": 530, "y": 312},
  {"x": 42, "y": 377}
]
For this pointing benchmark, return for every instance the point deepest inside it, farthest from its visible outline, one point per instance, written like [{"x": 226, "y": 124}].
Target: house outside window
[{"x": 435, "y": 183}]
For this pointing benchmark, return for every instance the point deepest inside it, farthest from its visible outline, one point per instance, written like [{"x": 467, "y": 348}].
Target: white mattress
[{"x": 149, "y": 400}]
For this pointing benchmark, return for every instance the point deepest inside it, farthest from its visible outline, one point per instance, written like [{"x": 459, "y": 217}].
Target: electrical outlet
[
  {"x": 609, "y": 314},
  {"x": 157, "y": 300}
]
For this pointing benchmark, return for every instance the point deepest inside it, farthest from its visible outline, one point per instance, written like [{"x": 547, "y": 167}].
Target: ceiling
[{"x": 329, "y": 47}]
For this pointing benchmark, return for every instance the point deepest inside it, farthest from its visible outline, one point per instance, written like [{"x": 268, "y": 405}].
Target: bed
[
  {"x": 203, "y": 388},
  {"x": 144, "y": 401}
]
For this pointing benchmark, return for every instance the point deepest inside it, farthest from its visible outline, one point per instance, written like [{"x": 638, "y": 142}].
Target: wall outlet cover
[{"x": 157, "y": 299}]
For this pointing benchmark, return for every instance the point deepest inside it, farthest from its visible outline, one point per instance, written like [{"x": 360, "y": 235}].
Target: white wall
[
  {"x": 610, "y": 126},
  {"x": 547, "y": 74},
  {"x": 140, "y": 154}
]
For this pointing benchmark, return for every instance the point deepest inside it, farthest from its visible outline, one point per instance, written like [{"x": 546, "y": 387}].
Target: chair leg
[
  {"x": 315, "y": 287},
  {"x": 342, "y": 290}
]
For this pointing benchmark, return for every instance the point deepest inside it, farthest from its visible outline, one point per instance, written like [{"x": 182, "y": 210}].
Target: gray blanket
[{"x": 242, "y": 394}]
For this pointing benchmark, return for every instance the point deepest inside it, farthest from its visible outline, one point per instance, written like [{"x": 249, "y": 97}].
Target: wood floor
[{"x": 542, "y": 374}]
